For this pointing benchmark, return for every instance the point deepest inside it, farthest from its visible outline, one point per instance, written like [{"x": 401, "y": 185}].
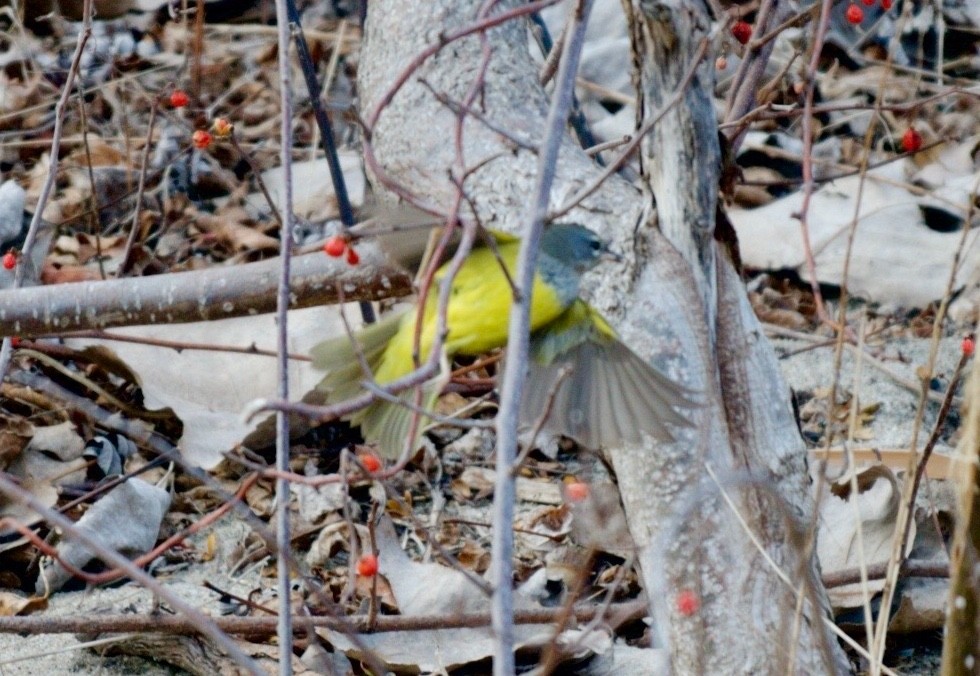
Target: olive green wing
[
  {"x": 338, "y": 357},
  {"x": 609, "y": 395}
]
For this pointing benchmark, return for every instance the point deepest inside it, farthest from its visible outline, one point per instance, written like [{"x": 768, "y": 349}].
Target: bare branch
[
  {"x": 201, "y": 295},
  {"x": 518, "y": 344}
]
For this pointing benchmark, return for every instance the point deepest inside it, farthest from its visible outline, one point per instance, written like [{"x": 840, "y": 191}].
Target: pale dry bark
[
  {"x": 200, "y": 295},
  {"x": 674, "y": 298},
  {"x": 962, "y": 637}
]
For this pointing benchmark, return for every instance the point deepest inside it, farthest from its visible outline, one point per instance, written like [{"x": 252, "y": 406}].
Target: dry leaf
[
  {"x": 12, "y": 604},
  {"x": 873, "y": 509}
]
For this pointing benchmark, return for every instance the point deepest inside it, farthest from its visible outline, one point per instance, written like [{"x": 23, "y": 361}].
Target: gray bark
[
  {"x": 674, "y": 299},
  {"x": 199, "y": 295}
]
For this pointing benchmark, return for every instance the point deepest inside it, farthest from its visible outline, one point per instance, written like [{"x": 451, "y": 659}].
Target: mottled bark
[{"x": 674, "y": 299}]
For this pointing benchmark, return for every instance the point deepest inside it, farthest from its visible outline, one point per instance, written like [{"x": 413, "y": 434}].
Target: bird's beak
[{"x": 610, "y": 256}]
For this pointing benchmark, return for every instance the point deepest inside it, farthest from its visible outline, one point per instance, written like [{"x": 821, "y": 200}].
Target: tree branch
[{"x": 201, "y": 295}]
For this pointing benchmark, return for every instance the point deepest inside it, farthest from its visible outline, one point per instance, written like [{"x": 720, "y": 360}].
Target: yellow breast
[{"x": 477, "y": 316}]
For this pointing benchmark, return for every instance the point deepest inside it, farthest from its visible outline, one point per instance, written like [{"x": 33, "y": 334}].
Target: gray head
[{"x": 575, "y": 245}]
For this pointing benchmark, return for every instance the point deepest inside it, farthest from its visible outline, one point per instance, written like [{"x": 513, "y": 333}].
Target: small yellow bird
[{"x": 609, "y": 396}]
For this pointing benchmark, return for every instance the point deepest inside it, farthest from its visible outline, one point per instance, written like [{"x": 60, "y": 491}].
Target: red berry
[
  {"x": 969, "y": 346},
  {"x": 9, "y": 260},
  {"x": 201, "y": 139},
  {"x": 721, "y": 63},
  {"x": 576, "y": 491},
  {"x": 335, "y": 246},
  {"x": 687, "y": 603},
  {"x": 868, "y": 2},
  {"x": 370, "y": 462},
  {"x": 367, "y": 565},
  {"x": 14, "y": 341},
  {"x": 352, "y": 257},
  {"x": 179, "y": 99},
  {"x": 854, "y": 14},
  {"x": 886, "y": 4},
  {"x": 742, "y": 31},
  {"x": 911, "y": 140}
]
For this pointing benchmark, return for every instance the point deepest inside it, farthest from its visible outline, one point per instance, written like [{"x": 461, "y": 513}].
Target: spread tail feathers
[
  {"x": 339, "y": 359},
  {"x": 390, "y": 424}
]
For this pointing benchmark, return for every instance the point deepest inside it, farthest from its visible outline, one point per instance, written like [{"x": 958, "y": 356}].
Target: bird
[{"x": 601, "y": 393}]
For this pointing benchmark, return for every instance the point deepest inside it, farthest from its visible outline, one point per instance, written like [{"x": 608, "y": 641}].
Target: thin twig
[
  {"x": 395, "y": 496},
  {"x": 818, "y": 342},
  {"x": 808, "y": 183},
  {"x": 372, "y": 533},
  {"x": 543, "y": 418},
  {"x": 176, "y": 345},
  {"x": 909, "y": 568},
  {"x": 745, "y": 82},
  {"x": 370, "y": 122},
  {"x": 94, "y": 211},
  {"x": 853, "y": 480},
  {"x": 257, "y": 175},
  {"x": 265, "y": 626},
  {"x": 284, "y": 588},
  {"x": 127, "y": 257},
  {"x": 518, "y": 341},
  {"x": 161, "y": 446},
  {"x": 906, "y": 513},
  {"x": 780, "y": 573},
  {"x": 326, "y": 133}
]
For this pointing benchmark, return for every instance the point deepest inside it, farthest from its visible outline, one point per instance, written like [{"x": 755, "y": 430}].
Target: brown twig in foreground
[
  {"x": 618, "y": 614},
  {"x": 910, "y": 568}
]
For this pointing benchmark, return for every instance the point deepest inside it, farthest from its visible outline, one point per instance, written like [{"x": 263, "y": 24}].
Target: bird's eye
[{"x": 595, "y": 244}]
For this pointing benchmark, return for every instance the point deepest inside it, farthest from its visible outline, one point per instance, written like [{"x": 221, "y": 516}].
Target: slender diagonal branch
[
  {"x": 518, "y": 345},
  {"x": 285, "y": 624}
]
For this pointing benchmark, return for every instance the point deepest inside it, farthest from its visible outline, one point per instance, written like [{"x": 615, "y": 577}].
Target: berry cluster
[
  {"x": 337, "y": 246},
  {"x": 855, "y": 14},
  {"x": 221, "y": 128},
  {"x": 742, "y": 30}
]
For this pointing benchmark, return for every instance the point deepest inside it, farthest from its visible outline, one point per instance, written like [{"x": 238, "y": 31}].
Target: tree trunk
[
  {"x": 676, "y": 300},
  {"x": 962, "y": 634}
]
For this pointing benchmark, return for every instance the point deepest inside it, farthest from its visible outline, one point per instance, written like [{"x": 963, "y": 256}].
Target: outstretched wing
[{"x": 603, "y": 393}]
